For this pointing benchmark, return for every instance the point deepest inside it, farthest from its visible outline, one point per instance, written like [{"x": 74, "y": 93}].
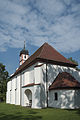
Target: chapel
[{"x": 44, "y": 79}]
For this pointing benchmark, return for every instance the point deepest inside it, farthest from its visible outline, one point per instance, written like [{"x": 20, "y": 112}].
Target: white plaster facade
[
  {"x": 19, "y": 95},
  {"x": 65, "y": 99},
  {"x": 69, "y": 99}
]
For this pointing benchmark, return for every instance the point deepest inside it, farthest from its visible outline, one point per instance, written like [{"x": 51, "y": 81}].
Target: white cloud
[
  {"x": 50, "y": 7},
  {"x": 38, "y": 21}
]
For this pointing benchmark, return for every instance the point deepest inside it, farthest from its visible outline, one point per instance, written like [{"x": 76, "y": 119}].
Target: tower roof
[
  {"x": 24, "y": 51},
  {"x": 65, "y": 81},
  {"x": 45, "y": 53}
]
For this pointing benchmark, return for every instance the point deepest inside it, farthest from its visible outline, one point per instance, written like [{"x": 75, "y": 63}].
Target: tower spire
[{"x": 24, "y": 45}]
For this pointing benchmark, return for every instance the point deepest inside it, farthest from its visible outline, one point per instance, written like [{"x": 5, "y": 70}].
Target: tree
[
  {"x": 4, "y": 77},
  {"x": 74, "y": 61}
]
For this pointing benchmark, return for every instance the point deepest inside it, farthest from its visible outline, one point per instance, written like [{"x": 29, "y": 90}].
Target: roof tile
[{"x": 63, "y": 81}]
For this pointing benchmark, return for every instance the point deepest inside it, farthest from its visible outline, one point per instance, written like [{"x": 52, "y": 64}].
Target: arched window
[{"x": 55, "y": 96}]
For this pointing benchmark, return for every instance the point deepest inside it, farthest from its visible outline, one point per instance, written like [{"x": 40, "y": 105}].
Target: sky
[{"x": 56, "y": 22}]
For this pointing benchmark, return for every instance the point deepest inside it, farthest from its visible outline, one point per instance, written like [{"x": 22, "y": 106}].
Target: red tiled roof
[
  {"x": 31, "y": 84},
  {"x": 65, "y": 81},
  {"x": 45, "y": 53}
]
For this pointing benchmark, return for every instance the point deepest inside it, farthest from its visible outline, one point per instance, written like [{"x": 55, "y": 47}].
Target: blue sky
[{"x": 37, "y": 21}]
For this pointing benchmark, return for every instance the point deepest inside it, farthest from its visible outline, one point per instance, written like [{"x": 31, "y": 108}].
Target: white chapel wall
[
  {"x": 28, "y": 76},
  {"x": 8, "y": 92},
  {"x": 18, "y": 90},
  {"x": 52, "y": 72},
  {"x": 13, "y": 91},
  {"x": 65, "y": 99},
  {"x": 37, "y": 74},
  {"x": 77, "y": 98}
]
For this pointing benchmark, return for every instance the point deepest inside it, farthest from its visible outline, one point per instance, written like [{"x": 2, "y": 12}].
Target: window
[{"x": 55, "y": 96}]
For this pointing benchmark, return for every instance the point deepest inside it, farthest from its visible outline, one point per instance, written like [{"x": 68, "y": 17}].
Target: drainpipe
[{"x": 46, "y": 86}]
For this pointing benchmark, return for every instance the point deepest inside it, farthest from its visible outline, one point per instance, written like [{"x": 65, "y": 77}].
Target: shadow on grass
[
  {"x": 18, "y": 116},
  {"x": 31, "y": 112},
  {"x": 77, "y": 111}
]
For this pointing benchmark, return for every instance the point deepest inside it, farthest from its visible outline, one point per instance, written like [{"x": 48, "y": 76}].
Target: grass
[{"x": 12, "y": 112}]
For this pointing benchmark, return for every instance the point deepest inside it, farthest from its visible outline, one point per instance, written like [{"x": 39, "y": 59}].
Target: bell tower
[{"x": 24, "y": 55}]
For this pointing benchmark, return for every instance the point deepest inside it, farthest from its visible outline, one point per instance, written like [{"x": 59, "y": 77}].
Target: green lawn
[{"x": 12, "y": 112}]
